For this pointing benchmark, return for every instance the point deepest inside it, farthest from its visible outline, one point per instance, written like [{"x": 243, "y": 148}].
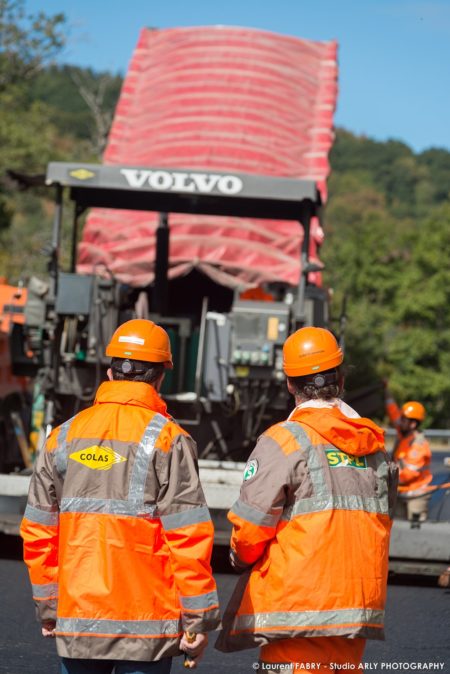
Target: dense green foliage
[
  {"x": 47, "y": 113},
  {"x": 386, "y": 251},
  {"x": 387, "y": 221},
  {"x": 27, "y": 138},
  {"x": 64, "y": 90}
]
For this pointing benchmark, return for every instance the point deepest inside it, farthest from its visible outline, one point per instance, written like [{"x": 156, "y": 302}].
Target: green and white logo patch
[{"x": 250, "y": 469}]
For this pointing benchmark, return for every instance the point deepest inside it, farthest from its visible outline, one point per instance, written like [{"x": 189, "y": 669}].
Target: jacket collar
[
  {"x": 327, "y": 404},
  {"x": 134, "y": 393}
]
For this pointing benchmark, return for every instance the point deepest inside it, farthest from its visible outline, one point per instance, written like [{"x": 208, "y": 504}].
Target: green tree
[
  {"x": 62, "y": 88},
  {"x": 437, "y": 162},
  {"x": 364, "y": 250},
  {"x": 29, "y": 142},
  {"x": 27, "y": 138},
  {"x": 418, "y": 343},
  {"x": 386, "y": 251},
  {"x": 27, "y": 41}
]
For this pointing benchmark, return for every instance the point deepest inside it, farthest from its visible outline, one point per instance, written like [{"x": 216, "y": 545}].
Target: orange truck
[
  {"x": 12, "y": 305},
  {"x": 14, "y": 389},
  {"x": 16, "y": 455}
]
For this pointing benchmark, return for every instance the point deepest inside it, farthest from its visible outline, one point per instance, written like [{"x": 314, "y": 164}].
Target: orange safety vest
[
  {"x": 117, "y": 535},
  {"x": 313, "y": 519},
  {"x": 412, "y": 454}
]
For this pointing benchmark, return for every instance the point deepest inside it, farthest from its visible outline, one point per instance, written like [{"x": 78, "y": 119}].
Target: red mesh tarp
[{"x": 227, "y": 99}]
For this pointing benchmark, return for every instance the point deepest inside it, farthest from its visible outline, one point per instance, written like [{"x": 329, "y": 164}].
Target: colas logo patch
[
  {"x": 337, "y": 459},
  {"x": 97, "y": 457}
]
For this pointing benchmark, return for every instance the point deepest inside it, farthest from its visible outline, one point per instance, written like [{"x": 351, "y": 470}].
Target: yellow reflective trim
[{"x": 337, "y": 458}]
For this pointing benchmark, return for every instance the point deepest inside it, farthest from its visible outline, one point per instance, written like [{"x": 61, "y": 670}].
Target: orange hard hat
[
  {"x": 140, "y": 339},
  {"x": 310, "y": 350},
  {"x": 414, "y": 410}
]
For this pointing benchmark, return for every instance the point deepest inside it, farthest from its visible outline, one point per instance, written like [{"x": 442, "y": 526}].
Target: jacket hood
[
  {"x": 356, "y": 436},
  {"x": 131, "y": 393}
]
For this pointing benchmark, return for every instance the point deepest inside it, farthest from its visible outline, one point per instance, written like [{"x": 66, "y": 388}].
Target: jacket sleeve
[
  {"x": 392, "y": 410},
  {"x": 189, "y": 533},
  {"x": 256, "y": 513},
  {"x": 39, "y": 530},
  {"x": 392, "y": 487}
]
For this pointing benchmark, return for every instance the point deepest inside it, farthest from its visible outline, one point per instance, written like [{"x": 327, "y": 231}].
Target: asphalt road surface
[{"x": 418, "y": 626}]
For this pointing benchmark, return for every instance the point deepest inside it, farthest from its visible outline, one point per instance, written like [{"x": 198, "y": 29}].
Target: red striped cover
[{"x": 217, "y": 98}]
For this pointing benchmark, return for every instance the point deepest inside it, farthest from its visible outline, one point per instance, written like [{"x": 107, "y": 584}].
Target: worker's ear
[
  {"x": 110, "y": 374},
  {"x": 159, "y": 381},
  {"x": 290, "y": 388}
]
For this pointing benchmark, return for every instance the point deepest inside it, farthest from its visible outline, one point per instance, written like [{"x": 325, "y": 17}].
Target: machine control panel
[{"x": 258, "y": 332}]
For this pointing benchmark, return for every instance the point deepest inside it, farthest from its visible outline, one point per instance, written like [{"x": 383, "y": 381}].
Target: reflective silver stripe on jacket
[
  {"x": 185, "y": 518},
  {"x": 200, "y": 601},
  {"x": 142, "y": 461},
  {"x": 61, "y": 457},
  {"x": 379, "y": 462},
  {"x": 411, "y": 466},
  {"x": 108, "y": 506},
  {"x": 323, "y": 498},
  {"x": 335, "y": 502},
  {"x": 135, "y": 505},
  {"x": 45, "y": 591},
  {"x": 253, "y": 515},
  {"x": 338, "y": 617},
  {"x": 41, "y": 516},
  {"x": 316, "y": 471},
  {"x": 151, "y": 628}
]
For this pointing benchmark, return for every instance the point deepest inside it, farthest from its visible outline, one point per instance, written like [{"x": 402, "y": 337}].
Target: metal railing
[{"x": 439, "y": 438}]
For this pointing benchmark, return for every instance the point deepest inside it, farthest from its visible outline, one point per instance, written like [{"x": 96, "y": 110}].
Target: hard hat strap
[
  {"x": 321, "y": 379},
  {"x": 128, "y": 367}
]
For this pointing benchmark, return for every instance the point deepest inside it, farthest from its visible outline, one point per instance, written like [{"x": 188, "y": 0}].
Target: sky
[{"x": 394, "y": 55}]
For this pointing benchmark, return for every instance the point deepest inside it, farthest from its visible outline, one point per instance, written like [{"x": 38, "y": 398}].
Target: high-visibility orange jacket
[
  {"x": 412, "y": 454},
  {"x": 313, "y": 518},
  {"x": 117, "y": 535}
]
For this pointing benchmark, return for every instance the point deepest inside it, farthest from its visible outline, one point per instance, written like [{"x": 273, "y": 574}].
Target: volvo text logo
[{"x": 177, "y": 181}]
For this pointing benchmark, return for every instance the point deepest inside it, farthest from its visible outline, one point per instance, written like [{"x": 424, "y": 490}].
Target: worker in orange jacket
[
  {"x": 311, "y": 525},
  {"x": 117, "y": 535},
  {"x": 413, "y": 455}
]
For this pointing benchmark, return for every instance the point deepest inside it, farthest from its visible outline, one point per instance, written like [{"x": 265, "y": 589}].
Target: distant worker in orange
[
  {"x": 413, "y": 455},
  {"x": 311, "y": 525},
  {"x": 117, "y": 535}
]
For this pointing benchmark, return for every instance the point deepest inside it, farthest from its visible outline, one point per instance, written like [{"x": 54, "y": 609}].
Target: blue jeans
[{"x": 77, "y": 666}]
